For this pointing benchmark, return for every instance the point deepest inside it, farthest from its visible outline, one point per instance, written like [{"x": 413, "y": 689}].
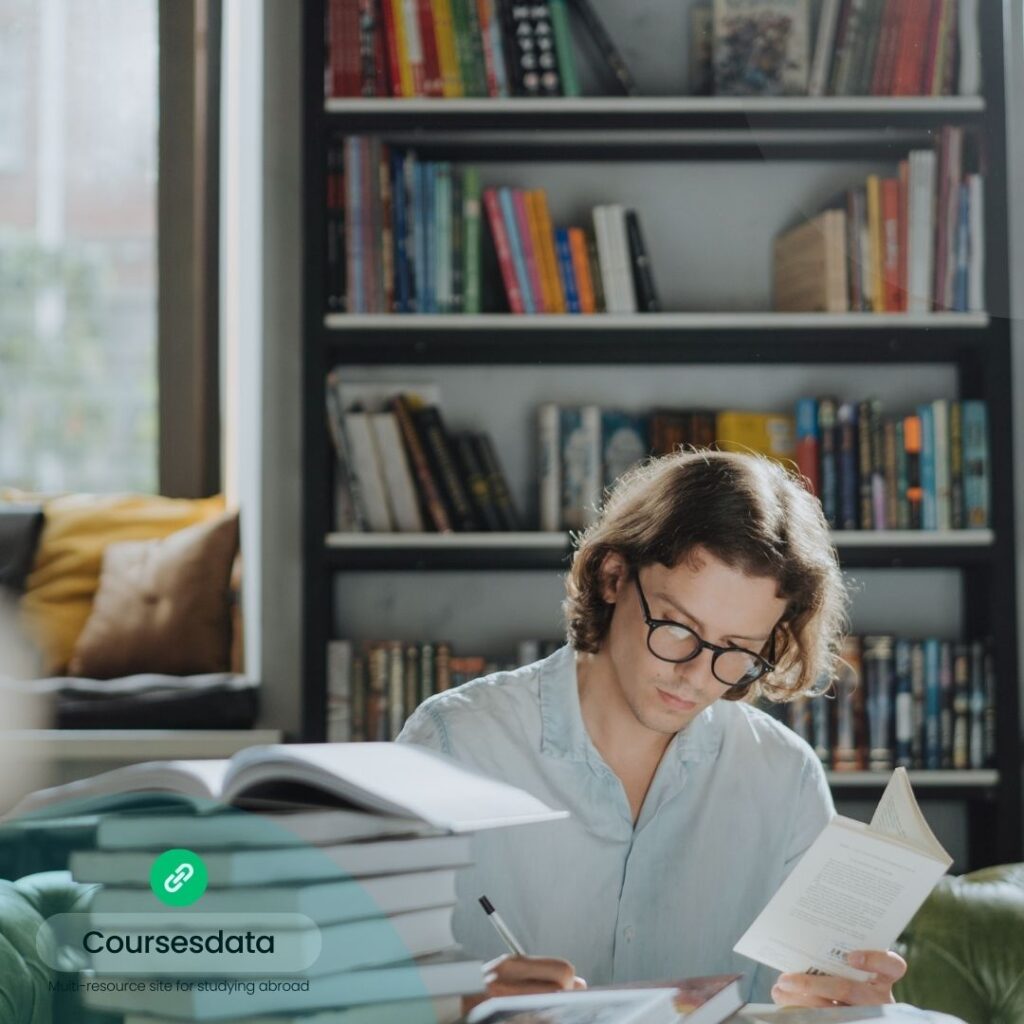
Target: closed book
[
  {"x": 821, "y": 729},
  {"x": 950, "y": 173},
  {"x": 397, "y": 709},
  {"x": 349, "y": 510},
  {"x": 940, "y": 432},
  {"x": 977, "y": 483},
  {"x": 902, "y": 505},
  {"x": 594, "y": 262},
  {"x": 829, "y": 476},
  {"x": 531, "y": 255},
  {"x": 768, "y": 433},
  {"x": 458, "y": 239},
  {"x": 549, "y": 467},
  {"x": 581, "y": 270},
  {"x": 566, "y": 272},
  {"x": 976, "y": 244},
  {"x": 443, "y": 238},
  {"x": 875, "y": 242},
  {"x": 978, "y": 702},
  {"x": 929, "y": 511},
  {"x": 408, "y": 1011},
  {"x": 879, "y": 503},
  {"x": 917, "y": 690},
  {"x": 886, "y": 53},
  {"x": 403, "y": 500},
  {"x": 444, "y": 31},
  {"x": 932, "y": 704},
  {"x": 879, "y": 691},
  {"x": 643, "y": 276},
  {"x": 904, "y": 704},
  {"x": 808, "y": 453},
  {"x": 892, "y": 487},
  {"x": 865, "y": 465},
  {"x": 912, "y": 461},
  {"x": 530, "y": 49},
  {"x": 471, "y": 248},
  {"x": 563, "y": 47},
  {"x": 433, "y": 81},
  {"x": 946, "y": 702},
  {"x": 475, "y": 49},
  {"x": 546, "y": 243},
  {"x": 920, "y": 230},
  {"x": 411, "y": 678},
  {"x": 891, "y": 244},
  {"x": 501, "y": 493},
  {"x": 848, "y": 472},
  {"x": 441, "y": 457},
  {"x": 810, "y": 266},
  {"x": 961, "y": 707},
  {"x": 824, "y": 48},
  {"x": 435, "y": 976},
  {"x": 622, "y": 270},
  {"x": 368, "y": 467},
  {"x": 435, "y": 510},
  {"x": 339, "y": 900},
  {"x": 607, "y": 52},
  {"x": 851, "y": 24},
  {"x": 427, "y": 674},
  {"x": 339, "y": 692},
  {"x": 493, "y": 48},
  {"x": 744, "y": 65},
  {"x": 580, "y": 431},
  {"x": 503, "y": 247},
  {"x": 475, "y": 477},
  {"x": 624, "y": 443},
  {"x": 515, "y": 240},
  {"x": 850, "y": 747},
  {"x": 603, "y": 240}
]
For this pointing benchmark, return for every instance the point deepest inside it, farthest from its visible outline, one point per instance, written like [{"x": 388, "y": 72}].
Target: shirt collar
[{"x": 564, "y": 735}]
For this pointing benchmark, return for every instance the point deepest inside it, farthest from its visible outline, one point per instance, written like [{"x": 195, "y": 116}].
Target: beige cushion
[{"x": 162, "y": 605}]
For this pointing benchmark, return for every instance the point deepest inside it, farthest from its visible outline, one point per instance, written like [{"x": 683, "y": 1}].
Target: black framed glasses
[{"x": 672, "y": 641}]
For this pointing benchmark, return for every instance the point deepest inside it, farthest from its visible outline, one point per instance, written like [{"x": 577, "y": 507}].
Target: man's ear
[{"x": 614, "y": 576}]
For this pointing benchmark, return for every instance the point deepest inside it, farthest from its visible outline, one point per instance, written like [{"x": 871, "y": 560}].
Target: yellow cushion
[{"x": 59, "y": 590}]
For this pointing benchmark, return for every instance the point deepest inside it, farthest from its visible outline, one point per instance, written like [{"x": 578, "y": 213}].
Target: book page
[
  {"x": 853, "y": 889},
  {"x": 393, "y": 778},
  {"x": 898, "y": 814}
]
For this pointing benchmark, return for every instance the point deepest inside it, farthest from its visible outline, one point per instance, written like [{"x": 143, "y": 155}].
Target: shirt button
[{"x": 629, "y": 933}]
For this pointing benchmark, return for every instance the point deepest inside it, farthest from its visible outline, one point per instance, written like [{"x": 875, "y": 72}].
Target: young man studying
[{"x": 708, "y": 579}]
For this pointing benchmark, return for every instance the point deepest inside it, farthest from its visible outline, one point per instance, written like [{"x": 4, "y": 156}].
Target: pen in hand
[{"x": 501, "y": 928}]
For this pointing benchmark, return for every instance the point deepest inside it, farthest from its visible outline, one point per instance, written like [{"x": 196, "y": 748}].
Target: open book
[
  {"x": 383, "y": 778},
  {"x": 856, "y": 887}
]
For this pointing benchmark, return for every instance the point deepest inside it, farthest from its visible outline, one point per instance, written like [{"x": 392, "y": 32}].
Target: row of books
[
  {"x": 894, "y": 48},
  {"x": 899, "y": 702},
  {"x": 913, "y": 242},
  {"x": 339, "y": 893},
  {"x": 407, "y": 236},
  {"x": 454, "y": 48},
  {"x": 398, "y": 468},
  {"x": 928, "y": 470},
  {"x": 372, "y": 688}
]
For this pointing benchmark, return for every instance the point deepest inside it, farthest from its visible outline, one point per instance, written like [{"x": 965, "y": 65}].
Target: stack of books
[
  {"x": 454, "y": 48},
  {"x": 356, "y": 845},
  {"x": 372, "y": 688},
  {"x": 407, "y": 236},
  {"x": 398, "y": 468},
  {"x": 917, "y": 703},
  {"x": 913, "y": 242}
]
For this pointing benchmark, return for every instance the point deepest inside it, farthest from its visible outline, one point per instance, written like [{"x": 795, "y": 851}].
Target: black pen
[{"x": 502, "y": 929}]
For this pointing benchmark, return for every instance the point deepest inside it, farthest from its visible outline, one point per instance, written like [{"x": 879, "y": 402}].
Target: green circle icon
[{"x": 178, "y": 877}]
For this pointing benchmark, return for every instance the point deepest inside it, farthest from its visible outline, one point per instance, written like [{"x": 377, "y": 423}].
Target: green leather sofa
[{"x": 965, "y": 949}]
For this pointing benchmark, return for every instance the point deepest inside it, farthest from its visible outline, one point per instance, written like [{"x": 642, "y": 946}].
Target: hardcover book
[{"x": 761, "y": 47}]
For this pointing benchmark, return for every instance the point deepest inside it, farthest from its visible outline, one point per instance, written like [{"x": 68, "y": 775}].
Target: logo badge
[{"x": 178, "y": 878}]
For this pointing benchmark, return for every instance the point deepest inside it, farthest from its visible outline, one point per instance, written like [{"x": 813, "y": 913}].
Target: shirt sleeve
[{"x": 425, "y": 728}]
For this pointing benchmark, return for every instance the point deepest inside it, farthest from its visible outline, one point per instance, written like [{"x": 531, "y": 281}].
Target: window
[{"x": 78, "y": 254}]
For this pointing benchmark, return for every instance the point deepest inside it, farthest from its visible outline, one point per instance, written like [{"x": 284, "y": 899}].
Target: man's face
[{"x": 723, "y": 605}]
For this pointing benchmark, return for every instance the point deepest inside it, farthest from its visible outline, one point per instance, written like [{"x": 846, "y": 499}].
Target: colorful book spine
[
  {"x": 516, "y": 243},
  {"x": 929, "y": 517},
  {"x": 977, "y": 513},
  {"x": 829, "y": 475},
  {"x": 808, "y": 454},
  {"x": 503, "y": 246},
  {"x": 531, "y": 257},
  {"x": 471, "y": 248},
  {"x": 932, "y": 704}
]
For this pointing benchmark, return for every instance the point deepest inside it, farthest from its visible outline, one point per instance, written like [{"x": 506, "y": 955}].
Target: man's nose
[{"x": 697, "y": 674}]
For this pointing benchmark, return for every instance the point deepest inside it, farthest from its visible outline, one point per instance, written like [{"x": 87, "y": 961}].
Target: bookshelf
[{"x": 797, "y": 145}]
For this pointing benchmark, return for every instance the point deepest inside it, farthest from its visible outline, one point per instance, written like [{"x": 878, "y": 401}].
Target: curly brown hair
[{"x": 748, "y": 512}]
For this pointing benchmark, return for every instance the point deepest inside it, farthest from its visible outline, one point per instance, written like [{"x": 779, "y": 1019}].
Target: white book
[
  {"x": 369, "y": 470},
  {"x": 622, "y": 262},
  {"x": 593, "y": 477},
  {"x": 433, "y": 976},
  {"x": 968, "y": 48},
  {"x": 403, "y": 499},
  {"x": 445, "y": 1010},
  {"x": 270, "y": 866},
  {"x": 605, "y": 257},
  {"x": 824, "y": 47},
  {"x": 951, "y": 214},
  {"x": 976, "y": 259},
  {"x": 856, "y": 887},
  {"x": 605, "y": 1006},
  {"x": 920, "y": 230},
  {"x": 549, "y": 467},
  {"x": 943, "y": 506},
  {"x": 387, "y": 778},
  {"x": 339, "y": 691},
  {"x": 323, "y": 902},
  {"x": 325, "y": 948}
]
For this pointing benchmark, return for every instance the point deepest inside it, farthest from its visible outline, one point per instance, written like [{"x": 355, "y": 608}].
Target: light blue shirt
[{"x": 736, "y": 800}]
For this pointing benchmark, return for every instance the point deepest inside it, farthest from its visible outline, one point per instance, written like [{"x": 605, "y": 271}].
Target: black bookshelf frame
[{"x": 705, "y": 129}]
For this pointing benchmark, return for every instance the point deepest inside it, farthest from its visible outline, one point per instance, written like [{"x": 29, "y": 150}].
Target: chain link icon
[{"x": 174, "y": 881}]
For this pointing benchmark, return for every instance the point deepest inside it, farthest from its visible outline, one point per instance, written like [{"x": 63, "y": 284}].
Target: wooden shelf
[{"x": 550, "y": 551}]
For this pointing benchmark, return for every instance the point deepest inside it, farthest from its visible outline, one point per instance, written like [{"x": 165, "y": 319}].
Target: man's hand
[
  {"x": 825, "y": 990},
  {"x": 525, "y": 975}
]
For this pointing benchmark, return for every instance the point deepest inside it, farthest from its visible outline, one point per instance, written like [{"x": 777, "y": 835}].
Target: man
[{"x": 708, "y": 579}]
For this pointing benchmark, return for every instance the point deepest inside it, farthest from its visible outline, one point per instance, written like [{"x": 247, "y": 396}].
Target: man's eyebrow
[{"x": 700, "y": 625}]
